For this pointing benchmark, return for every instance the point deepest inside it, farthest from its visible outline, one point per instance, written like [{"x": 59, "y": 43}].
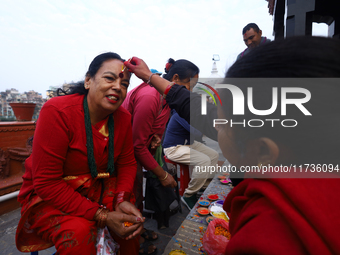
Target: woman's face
[
  {"x": 107, "y": 90},
  {"x": 189, "y": 83}
]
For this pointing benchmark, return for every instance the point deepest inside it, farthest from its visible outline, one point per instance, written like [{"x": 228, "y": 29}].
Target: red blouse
[{"x": 59, "y": 150}]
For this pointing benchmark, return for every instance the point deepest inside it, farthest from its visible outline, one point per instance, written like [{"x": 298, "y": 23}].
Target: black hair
[
  {"x": 184, "y": 68},
  {"x": 95, "y": 65},
  {"x": 249, "y": 26},
  {"x": 316, "y": 138}
]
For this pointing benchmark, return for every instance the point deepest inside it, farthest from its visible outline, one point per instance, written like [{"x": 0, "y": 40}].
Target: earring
[{"x": 86, "y": 86}]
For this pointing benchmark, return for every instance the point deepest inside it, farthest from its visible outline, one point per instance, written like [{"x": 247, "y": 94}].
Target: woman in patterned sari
[{"x": 82, "y": 169}]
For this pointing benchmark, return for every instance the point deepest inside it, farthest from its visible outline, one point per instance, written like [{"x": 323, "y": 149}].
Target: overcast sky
[{"x": 47, "y": 43}]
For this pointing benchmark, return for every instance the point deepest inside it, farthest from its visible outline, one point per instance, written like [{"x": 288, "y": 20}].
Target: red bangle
[{"x": 168, "y": 89}]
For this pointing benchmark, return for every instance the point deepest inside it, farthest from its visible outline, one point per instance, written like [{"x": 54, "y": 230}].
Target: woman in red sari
[{"x": 82, "y": 169}]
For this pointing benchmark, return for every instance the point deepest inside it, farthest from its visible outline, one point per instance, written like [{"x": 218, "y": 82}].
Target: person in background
[
  {"x": 183, "y": 144},
  {"x": 150, "y": 113},
  {"x": 278, "y": 215},
  {"x": 252, "y": 37},
  {"x": 82, "y": 168}
]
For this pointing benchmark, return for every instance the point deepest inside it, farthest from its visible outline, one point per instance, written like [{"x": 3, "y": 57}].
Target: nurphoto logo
[{"x": 239, "y": 99}]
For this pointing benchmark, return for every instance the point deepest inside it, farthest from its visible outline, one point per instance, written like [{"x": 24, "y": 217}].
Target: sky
[{"x": 47, "y": 43}]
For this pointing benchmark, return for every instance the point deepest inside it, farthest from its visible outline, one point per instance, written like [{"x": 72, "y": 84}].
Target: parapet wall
[{"x": 15, "y": 147}]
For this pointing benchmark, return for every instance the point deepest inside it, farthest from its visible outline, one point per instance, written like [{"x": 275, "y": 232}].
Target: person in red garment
[
  {"x": 277, "y": 215},
  {"x": 81, "y": 172},
  {"x": 150, "y": 113}
]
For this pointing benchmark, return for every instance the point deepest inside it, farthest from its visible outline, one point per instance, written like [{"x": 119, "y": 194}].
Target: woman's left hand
[
  {"x": 116, "y": 223},
  {"x": 129, "y": 209}
]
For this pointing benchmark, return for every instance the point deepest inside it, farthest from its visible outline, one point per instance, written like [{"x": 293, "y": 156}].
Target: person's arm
[
  {"x": 50, "y": 147},
  {"x": 144, "y": 114},
  {"x": 179, "y": 98}
]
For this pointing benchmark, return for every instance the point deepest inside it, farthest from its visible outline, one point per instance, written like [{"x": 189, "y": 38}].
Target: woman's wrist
[
  {"x": 165, "y": 176},
  {"x": 147, "y": 77},
  {"x": 101, "y": 217},
  {"x": 121, "y": 197},
  {"x": 159, "y": 83}
]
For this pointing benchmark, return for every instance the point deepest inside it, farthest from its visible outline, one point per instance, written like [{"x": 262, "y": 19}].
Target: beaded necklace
[{"x": 89, "y": 143}]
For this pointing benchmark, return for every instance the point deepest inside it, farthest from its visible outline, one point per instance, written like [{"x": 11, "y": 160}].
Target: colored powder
[
  {"x": 204, "y": 203},
  {"x": 213, "y": 197},
  {"x": 204, "y": 211}
]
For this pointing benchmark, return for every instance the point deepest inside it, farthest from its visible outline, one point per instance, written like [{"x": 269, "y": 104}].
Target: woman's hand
[
  {"x": 169, "y": 181},
  {"x": 115, "y": 222},
  {"x": 139, "y": 68},
  {"x": 142, "y": 71},
  {"x": 164, "y": 177},
  {"x": 155, "y": 142},
  {"x": 129, "y": 209}
]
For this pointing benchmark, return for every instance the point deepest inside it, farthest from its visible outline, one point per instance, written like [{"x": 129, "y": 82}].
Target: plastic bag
[
  {"x": 105, "y": 243},
  {"x": 215, "y": 244}
]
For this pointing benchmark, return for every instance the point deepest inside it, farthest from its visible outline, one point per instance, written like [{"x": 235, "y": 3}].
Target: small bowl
[
  {"x": 209, "y": 218},
  {"x": 204, "y": 203},
  {"x": 203, "y": 211},
  {"x": 212, "y": 197},
  {"x": 219, "y": 202},
  {"x": 225, "y": 181},
  {"x": 221, "y": 177}
]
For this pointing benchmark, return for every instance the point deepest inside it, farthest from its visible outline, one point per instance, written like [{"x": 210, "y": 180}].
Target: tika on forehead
[{"x": 121, "y": 74}]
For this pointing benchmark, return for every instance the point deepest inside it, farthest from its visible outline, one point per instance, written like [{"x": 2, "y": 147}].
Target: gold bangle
[
  {"x": 166, "y": 176},
  {"x": 101, "y": 217},
  {"x": 100, "y": 209}
]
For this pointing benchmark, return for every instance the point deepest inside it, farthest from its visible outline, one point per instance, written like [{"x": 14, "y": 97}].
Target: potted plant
[{"x": 23, "y": 111}]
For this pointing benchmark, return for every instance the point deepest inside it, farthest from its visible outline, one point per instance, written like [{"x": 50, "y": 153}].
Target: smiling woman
[
  {"x": 82, "y": 169},
  {"x": 107, "y": 90}
]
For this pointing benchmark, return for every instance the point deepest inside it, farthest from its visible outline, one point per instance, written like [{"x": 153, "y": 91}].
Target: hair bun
[{"x": 169, "y": 65}]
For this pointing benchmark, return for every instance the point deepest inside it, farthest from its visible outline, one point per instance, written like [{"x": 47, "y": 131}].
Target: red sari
[{"x": 59, "y": 197}]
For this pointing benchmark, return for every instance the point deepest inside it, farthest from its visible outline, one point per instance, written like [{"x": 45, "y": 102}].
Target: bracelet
[
  {"x": 166, "y": 176},
  {"x": 101, "y": 217},
  {"x": 168, "y": 89},
  {"x": 149, "y": 80}
]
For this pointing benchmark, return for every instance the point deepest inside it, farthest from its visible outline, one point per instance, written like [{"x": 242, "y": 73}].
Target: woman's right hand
[
  {"x": 169, "y": 182},
  {"x": 142, "y": 71},
  {"x": 115, "y": 222},
  {"x": 139, "y": 68}
]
